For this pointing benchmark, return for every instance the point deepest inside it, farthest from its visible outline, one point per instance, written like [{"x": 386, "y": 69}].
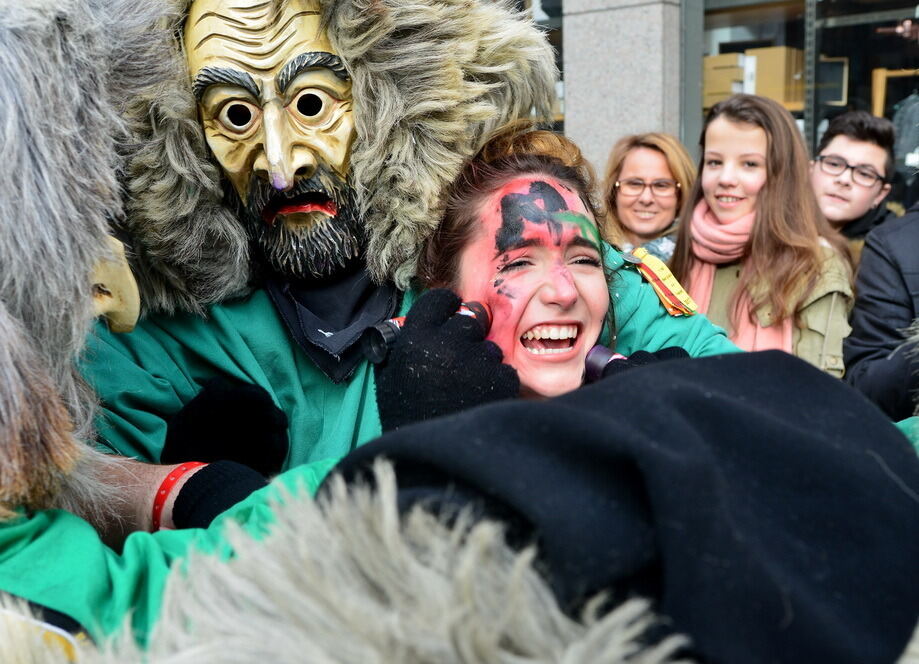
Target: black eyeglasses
[
  {"x": 663, "y": 188},
  {"x": 862, "y": 175}
]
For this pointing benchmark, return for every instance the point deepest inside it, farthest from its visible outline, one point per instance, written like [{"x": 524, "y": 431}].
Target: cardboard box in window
[
  {"x": 722, "y": 79},
  {"x": 724, "y": 60},
  {"x": 779, "y": 73}
]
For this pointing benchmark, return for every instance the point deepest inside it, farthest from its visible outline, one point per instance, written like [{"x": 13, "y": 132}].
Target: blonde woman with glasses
[{"x": 646, "y": 179}]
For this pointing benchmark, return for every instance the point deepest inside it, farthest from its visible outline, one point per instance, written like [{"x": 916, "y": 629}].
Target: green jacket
[
  {"x": 145, "y": 377},
  {"x": 56, "y": 559},
  {"x": 823, "y": 315},
  {"x": 910, "y": 428}
]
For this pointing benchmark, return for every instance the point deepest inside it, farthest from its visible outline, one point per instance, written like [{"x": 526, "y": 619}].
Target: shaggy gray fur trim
[
  {"x": 62, "y": 62},
  {"x": 36, "y": 448},
  {"x": 188, "y": 249},
  {"x": 57, "y": 147},
  {"x": 431, "y": 81},
  {"x": 20, "y": 641},
  {"x": 349, "y": 581}
]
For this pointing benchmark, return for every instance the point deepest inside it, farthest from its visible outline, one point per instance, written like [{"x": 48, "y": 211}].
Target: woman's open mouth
[{"x": 550, "y": 339}]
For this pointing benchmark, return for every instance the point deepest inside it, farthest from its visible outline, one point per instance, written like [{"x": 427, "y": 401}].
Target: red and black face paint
[{"x": 536, "y": 207}]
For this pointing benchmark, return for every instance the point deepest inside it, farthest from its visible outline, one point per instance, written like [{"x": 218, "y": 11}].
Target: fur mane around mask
[
  {"x": 62, "y": 62},
  {"x": 431, "y": 81}
]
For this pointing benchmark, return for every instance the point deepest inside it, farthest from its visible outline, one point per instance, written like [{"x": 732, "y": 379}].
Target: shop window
[
  {"x": 758, "y": 49},
  {"x": 879, "y": 45},
  {"x": 819, "y": 59},
  {"x": 548, "y": 14}
]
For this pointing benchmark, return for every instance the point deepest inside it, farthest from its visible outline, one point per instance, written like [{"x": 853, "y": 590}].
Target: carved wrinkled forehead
[{"x": 254, "y": 34}]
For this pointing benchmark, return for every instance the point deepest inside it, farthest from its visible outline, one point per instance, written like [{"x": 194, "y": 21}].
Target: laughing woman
[{"x": 520, "y": 235}]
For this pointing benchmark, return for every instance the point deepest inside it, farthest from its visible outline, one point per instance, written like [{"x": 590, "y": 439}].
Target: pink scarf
[{"x": 715, "y": 243}]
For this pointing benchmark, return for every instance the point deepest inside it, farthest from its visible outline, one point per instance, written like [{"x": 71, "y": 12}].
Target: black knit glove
[
  {"x": 642, "y": 357},
  {"x": 229, "y": 420},
  {"x": 440, "y": 364},
  {"x": 212, "y": 490}
]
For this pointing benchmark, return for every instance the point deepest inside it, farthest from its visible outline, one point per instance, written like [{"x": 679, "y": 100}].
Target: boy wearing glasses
[
  {"x": 851, "y": 172},
  {"x": 878, "y": 362}
]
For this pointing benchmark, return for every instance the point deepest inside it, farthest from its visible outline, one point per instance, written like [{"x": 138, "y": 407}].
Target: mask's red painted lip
[{"x": 327, "y": 207}]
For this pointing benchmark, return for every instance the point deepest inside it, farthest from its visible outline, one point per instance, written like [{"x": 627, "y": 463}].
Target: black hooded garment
[{"x": 770, "y": 510}]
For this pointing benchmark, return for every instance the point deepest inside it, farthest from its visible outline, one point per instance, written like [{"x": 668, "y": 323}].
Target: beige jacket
[{"x": 824, "y": 315}]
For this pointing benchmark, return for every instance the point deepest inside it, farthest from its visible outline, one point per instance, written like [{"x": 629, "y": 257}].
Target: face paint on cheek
[
  {"x": 502, "y": 290},
  {"x": 503, "y": 332}
]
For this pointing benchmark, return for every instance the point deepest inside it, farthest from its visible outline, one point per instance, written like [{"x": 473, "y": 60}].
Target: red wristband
[{"x": 166, "y": 488}]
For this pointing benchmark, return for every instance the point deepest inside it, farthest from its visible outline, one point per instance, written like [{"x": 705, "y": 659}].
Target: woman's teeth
[
  {"x": 547, "y": 351},
  {"x": 549, "y": 339},
  {"x": 552, "y": 332},
  {"x": 728, "y": 199}
]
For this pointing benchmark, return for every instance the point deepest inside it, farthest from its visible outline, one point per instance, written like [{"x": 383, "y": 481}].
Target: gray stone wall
[{"x": 622, "y": 71}]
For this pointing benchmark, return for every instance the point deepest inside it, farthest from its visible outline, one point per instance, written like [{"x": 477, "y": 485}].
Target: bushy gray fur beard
[{"x": 316, "y": 252}]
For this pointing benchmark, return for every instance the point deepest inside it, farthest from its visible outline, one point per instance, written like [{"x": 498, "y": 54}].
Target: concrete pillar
[{"x": 622, "y": 71}]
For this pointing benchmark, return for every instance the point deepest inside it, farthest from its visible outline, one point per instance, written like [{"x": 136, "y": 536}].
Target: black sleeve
[
  {"x": 878, "y": 363},
  {"x": 212, "y": 490}
]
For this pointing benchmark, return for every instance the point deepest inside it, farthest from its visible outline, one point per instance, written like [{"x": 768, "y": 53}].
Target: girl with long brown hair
[{"x": 753, "y": 248}]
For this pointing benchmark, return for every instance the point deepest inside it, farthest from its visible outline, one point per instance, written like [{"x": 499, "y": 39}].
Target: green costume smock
[
  {"x": 145, "y": 377},
  {"x": 56, "y": 559},
  {"x": 910, "y": 428}
]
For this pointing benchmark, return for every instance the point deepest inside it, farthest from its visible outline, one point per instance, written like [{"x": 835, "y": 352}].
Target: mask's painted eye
[
  {"x": 313, "y": 106},
  {"x": 238, "y": 116},
  {"x": 309, "y": 104}
]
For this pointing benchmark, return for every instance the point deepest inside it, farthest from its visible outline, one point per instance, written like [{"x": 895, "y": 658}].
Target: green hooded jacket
[
  {"x": 145, "y": 377},
  {"x": 58, "y": 560}
]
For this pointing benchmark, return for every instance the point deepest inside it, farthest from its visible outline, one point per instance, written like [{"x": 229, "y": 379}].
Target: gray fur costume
[
  {"x": 348, "y": 580},
  {"x": 63, "y": 66},
  {"x": 430, "y": 81}
]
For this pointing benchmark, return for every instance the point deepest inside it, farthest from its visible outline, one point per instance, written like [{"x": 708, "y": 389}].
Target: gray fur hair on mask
[
  {"x": 430, "y": 81},
  {"x": 349, "y": 580},
  {"x": 62, "y": 63}
]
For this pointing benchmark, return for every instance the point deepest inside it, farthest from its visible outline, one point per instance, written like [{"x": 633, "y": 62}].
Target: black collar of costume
[{"x": 327, "y": 318}]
